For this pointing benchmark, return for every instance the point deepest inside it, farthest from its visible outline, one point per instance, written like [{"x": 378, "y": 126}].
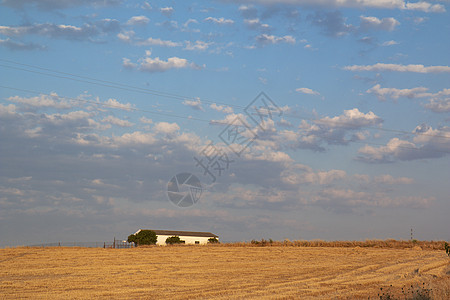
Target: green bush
[
  {"x": 447, "y": 248},
  {"x": 132, "y": 239},
  {"x": 262, "y": 243},
  {"x": 144, "y": 237},
  {"x": 213, "y": 240},
  {"x": 174, "y": 240}
]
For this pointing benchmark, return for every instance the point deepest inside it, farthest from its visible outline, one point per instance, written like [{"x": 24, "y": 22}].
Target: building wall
[{"x": 188, "y": 239}]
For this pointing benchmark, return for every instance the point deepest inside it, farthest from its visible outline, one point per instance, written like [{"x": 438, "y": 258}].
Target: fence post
[{"x": 104, "y": 244}]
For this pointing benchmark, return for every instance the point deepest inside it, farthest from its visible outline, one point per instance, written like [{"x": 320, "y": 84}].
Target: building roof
[{"x": 181, "y": 233}]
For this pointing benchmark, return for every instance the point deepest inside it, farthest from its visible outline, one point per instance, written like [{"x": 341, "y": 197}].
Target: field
[{"x": 221, "y": 271}]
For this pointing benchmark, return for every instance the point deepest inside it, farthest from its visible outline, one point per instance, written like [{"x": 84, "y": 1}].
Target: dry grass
[
  {"x": 220, "y": 271},
  {"x": 393, "y": 244}
]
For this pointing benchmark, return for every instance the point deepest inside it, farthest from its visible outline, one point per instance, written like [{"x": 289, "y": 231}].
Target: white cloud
[
  {"x": 18, "y": 45},
  {"x": 108, "y": 25},
  {"x": 156, "y": 42},
  {"x": 129, "y": 37},
  {"x": 131, "y": 168},
  {"x": 166, "y": 128},
  {"x": 70, "y": 116},
  {"x": 149, "y": 64},
  {"x": 6, "y": 110},
  {"x": 427, "y": 143},
  {"x": 116, "y": 121},
  {"x": 52, "y": 100},
  {"x": 439, "y": 105},
  {"x": 332, "y": 23},
  {"x": 373, "y": 23},
  {"x": 267, "y": 154},
  {"x": 102, "y": 183},
  {"x": 195, "y": 104},
  {"x": 126, "y": 63},
  {"x": 329, "y": 176},
  {"x": 198, "y": 45},
  {"x": 307, "y": 91},
  {"x": 425, "y": 7},
  {"x": 351, "y": 199},
  {"x": 116, "y": 104},
  {"x": 256, "y": 24},
  {"x": 146, "y": 6},
  {"x": 229, "y": 119},
  {"x": 385, "y": 4},
  {"x": 338, "y": 130},
  {"x": 58, "y": 4},
  {"x": 311, "y": 177},
  {"x": 394, "y": 93},
  {"x": 190, "y": 21},
  {"x": 67, "y": 123},
  {"x": 427, "y": 135},
  {"x": 220, "y": 21},
  {"x": 437, "y": 102},
  {"x": 352, "y": 118},
  {"x": 138, "y": 20},
  {"x": 389, "y": 43},
  {"x": 11, "y": 191},
  {"x": 266, "y": 39},
  {"x": 46, "y": 29},
  {"x": 157, "y": 65},
  {"x": 185, "y": 27},
  {"x": 248, "y": 11},
  {"x": 146, "y": 120},
  {"x": 61, "y": 31},
  {"x": 395, "y": 148},
  {"x": 167, "y": 11},
  {"x": 222, "y": 108},
  {"x": 419, "y": 20},
  {"x": 134, "y": 138},
  {"x": 284, "y": 123},
  {"x": 126, "y": 36},
  {"x": 262, "y": 80},
  {"x": 399, "y": 68},
  {"x": 389, "y": 179}
]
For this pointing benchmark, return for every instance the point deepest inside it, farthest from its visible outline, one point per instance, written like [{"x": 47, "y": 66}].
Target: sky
[{"x": 299, "y": 119}]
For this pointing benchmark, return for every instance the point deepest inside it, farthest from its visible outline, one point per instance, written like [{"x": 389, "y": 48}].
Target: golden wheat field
[{"x": 222, "y": 272}]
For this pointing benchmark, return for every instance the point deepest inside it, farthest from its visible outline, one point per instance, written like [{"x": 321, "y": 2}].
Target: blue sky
[{"x": 103, "y": 102}]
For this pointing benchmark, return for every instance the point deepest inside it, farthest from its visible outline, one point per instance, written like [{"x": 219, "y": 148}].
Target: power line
[
  {"x": 202, "y": 120},
  {"x": 112, "y": 84},
  {"x": 116, "y": 85}
]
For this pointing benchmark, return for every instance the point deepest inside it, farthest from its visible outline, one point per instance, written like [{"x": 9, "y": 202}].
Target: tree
[
  {"x": 174, "y": 240},
  {"x": 132, "y": 239},
  {"x": 213, "y": 240},
  {"x": 144, "y": 237}
]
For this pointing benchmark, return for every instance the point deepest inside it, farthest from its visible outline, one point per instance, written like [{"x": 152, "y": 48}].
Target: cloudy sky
[{"x": 102, "y": 102}]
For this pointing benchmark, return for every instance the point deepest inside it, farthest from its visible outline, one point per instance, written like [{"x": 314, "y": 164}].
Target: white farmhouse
[{"x": 189, "y": 237}]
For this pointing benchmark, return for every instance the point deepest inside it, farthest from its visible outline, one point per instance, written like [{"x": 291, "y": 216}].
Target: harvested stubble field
[{"x": 222, "y": 271}]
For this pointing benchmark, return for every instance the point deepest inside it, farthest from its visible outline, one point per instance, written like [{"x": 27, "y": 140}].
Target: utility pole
[{"x": 411, "y": 234}]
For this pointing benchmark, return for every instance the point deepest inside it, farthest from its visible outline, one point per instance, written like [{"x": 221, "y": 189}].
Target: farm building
[{"x": 189, "y": 237}]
